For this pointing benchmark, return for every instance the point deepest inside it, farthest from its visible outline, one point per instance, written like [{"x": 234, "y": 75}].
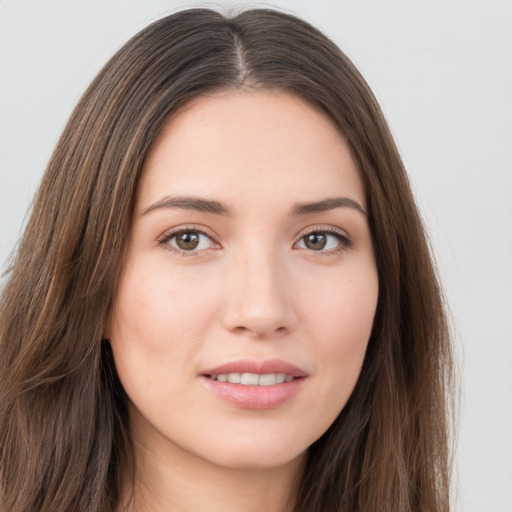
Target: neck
[{"x": 171, "y": 481}]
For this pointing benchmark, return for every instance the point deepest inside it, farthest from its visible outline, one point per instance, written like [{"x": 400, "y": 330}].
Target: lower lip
[{"x": 255, "y": 397}]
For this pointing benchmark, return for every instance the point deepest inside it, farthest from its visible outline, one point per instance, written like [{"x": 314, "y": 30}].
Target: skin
[{"x": 252, "y": 289}]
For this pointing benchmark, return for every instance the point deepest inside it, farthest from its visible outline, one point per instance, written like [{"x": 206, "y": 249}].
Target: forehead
[{"x": 250, "y": 144}]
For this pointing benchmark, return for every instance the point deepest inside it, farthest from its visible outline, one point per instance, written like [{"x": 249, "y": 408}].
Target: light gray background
[{"x": 442, "y": 71}]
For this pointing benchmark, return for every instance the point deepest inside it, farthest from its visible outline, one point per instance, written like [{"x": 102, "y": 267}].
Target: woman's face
[{"x": 250, "y": 259}]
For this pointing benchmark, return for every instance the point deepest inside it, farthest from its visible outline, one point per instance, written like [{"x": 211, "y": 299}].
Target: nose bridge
[{"x": 258, "y": 299}]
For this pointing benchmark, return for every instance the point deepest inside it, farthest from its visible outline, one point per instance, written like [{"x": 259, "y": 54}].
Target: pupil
[
  {"x": 188, "y": 241},
  {"x": 316, "y": 241}
]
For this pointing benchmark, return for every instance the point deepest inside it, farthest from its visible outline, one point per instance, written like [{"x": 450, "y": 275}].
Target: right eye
[{"x": 188, "y": 241}]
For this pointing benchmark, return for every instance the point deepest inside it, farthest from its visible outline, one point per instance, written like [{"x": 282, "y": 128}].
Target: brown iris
[
  {"x": 187, "y": 241},
  {"x": 315, "y": 241}
]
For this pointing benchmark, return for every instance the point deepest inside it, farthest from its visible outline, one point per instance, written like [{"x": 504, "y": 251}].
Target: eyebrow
[
  {"x": 325, "y": 205},
  {"x": 200, "y": 204},
  {"x": 197, "y": 204}
]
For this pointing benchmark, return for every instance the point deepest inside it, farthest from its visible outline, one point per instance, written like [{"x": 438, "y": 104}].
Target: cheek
[
  {"x": 343, "y": 309},
  {"x": 156, "y": 327},
  {"x": 154, "y": 304},
  {"x": 340, "y": 321}
]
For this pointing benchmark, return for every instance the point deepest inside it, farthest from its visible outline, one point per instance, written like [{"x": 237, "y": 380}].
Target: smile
[
  {"x": 253, "y": 379},
  {"x": 256, "y": 385}
]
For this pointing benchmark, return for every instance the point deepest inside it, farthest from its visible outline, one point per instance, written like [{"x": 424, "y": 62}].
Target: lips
[
  {"x": 257, "y": 385},
  {"x": 258, "y": 367}
]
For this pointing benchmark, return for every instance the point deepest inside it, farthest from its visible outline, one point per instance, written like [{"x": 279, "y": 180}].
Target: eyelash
[{"x": 344, "y": 241}]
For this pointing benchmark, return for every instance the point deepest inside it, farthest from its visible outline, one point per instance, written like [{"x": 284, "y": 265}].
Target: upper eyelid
[
  {"x": 322, "y": 228},
  {"x": 170, "y": 233}
]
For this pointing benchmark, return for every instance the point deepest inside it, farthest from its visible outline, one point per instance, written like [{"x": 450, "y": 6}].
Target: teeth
[
  {"x": 253, "y": 379},
  {"x": 234, "y": 378},
  {"x": 268, "y": 379},
  {"x": 250, "y": 379}
]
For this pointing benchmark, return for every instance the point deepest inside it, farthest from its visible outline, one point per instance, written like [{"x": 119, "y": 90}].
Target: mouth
[
  {"x": 253, "y": 379},
  {"x": 255, "y": 384},
  {"x": 255, "y": 373}
]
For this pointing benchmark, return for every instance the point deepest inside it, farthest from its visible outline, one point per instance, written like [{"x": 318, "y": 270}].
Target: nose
[{"x": 259, "y": 300}]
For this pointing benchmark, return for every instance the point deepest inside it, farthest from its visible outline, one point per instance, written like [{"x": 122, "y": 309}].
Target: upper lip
[{"x": 259, "y": 367}]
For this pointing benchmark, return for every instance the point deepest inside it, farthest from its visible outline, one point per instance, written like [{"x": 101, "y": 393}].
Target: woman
[{"x": 224, "y": 296}]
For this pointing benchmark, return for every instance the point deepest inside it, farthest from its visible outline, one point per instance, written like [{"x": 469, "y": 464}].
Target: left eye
[
  {"x": 189, "y": 240},
  {"x": 321, "y": 241}
]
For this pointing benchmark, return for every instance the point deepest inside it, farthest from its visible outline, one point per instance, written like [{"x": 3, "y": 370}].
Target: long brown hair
[{"x": 64, "y": 432}]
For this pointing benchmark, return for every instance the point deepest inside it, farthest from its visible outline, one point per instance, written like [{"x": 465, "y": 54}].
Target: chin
[
  {"x": 253, "y": 460},
  {"x": 252, "y": 452}
]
